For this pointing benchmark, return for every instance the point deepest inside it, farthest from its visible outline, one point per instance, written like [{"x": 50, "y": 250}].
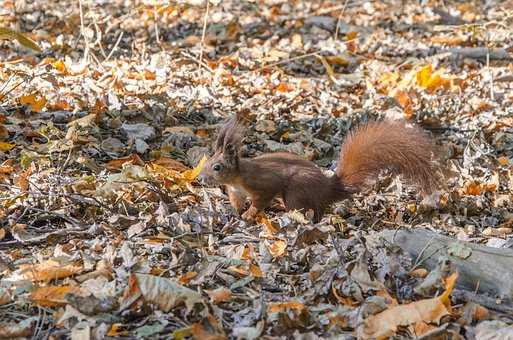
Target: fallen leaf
[
  {"x": 385, "y": 324},
  {"x": 49, "y": 270},
  {"x": 219, "y": 295},
  {"x": 7, "y": 33},
  {"x": 190, "y": 175},
  {"x": 275, "y": 307},
  {"x": 6, "y": 146},
  {"x": 116, "y": 164},
  {"x": 52, "y": 296},
  {"x": 35, "y": 101},
  {"x": 209, "y": 329},
  {"x": 162, "y": 292},
  {"x": 277, "y": 248},
  {"x": 187, "y": 277}
]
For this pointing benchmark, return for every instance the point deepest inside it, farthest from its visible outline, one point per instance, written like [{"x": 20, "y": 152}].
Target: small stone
[
  {"x": 141, "y": 146},
  {"x": 112, "y": 146},
  {"x": 267, "y": 126},
  {"x": 138, "y": 131}
]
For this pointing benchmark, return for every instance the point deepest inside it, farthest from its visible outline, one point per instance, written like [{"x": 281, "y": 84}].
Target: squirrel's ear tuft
[
  {"x": 231, "y": 153},
  {"x": 231, "y": 132}
]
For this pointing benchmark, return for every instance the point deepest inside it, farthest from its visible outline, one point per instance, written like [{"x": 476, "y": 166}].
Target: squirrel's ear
[{"x": 231, "y": 154}]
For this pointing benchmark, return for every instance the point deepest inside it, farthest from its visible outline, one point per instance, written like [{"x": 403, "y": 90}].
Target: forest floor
[{"x": 105, "y": 231}]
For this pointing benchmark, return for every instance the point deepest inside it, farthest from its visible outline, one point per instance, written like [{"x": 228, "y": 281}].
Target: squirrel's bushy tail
[{"x": 386, "y": 145}]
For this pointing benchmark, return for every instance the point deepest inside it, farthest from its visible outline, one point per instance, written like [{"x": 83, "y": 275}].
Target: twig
[
  {"x": 201, "y": 63},
  {"x": 289, "y": 60},
  {"x": 82, "y": 31},
  {"x": 338, "y": 19},
  {"x": 115, "y": 47},
  {"x": 66, "y": 162},
  {"x": 156, "y": 25},
  {"x": 205, "y": 17}
]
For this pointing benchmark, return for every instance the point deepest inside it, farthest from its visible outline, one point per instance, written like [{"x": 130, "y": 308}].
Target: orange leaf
[
  {"x": 278, "y": 248},
  {"x": 220, "y": 295},
  {"x": 185, "y": 278},
  {"x": 210, "y": 331},
  {"x": 170, "y": 163},
  {"x": 284, "y": 87},
  {"x": 117, "y": 164},
  {"x": 53, "y": 296},
  {"x": 117, "y": 330},
  {"x": 36, "y": 102},
  {"x": 281, "y": 306},
  {"x": 270, "y": 228}
]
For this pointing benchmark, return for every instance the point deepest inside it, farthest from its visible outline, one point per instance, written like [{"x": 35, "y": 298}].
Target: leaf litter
[{"x": 109, "y": 109}]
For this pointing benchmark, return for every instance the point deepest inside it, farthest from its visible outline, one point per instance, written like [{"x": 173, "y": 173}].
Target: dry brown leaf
[
  {"x": 161, "y": 292},
  {"x": 4, "y": 133},
  {"x": 255, "y": 270},
  {"x": 277, "y": 248},
  {"x": 170, "y": 164},
  {"x": 385, "y": 324},
  {"x": 116, "y": 330},
  {"x": 116, "y": 164},
  {"x": 219, "y": 295},
  {"x": 209, "y": 329},
  {"x": 49, "y": 270},
  {"x": 53, "y": 296}
]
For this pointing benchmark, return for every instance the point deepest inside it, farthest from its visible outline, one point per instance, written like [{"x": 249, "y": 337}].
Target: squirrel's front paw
[{"x": 250, "y": 214}]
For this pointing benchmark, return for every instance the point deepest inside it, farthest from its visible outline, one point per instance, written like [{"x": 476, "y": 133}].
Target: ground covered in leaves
[{"x": 105, "y": 232}]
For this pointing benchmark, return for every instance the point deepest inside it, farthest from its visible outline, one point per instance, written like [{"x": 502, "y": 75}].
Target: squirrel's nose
[{"x": 203, "y": 179}]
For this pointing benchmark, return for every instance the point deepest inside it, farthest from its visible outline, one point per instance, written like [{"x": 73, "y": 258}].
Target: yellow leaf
[
  {"x": 117, "y": 330},
  {"x": 424, "y": 75},
  {"x": 60, "y": 66},
  {"x": 9, "y": 34},
  {"x": 6, "y": 146},
  {"x": 255, "y": 270},
  {"x": 431, "y": 81},
  {"x": 190, "y": 175},
  {"x": 36, "y": 102}
]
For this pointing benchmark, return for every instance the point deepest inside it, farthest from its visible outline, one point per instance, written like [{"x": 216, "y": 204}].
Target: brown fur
[
  {"x": 391, "y": 146},
  {"x": 300, "y": 183}
]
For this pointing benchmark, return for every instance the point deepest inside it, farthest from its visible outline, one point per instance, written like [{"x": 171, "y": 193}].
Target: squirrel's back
[{"x": 387, "y": 145}]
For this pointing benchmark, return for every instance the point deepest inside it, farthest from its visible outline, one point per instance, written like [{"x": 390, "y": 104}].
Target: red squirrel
[{"x": 366, "y": 151}]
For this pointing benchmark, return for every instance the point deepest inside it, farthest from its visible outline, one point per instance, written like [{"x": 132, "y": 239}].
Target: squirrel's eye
[{"x": 217, "y": 167}]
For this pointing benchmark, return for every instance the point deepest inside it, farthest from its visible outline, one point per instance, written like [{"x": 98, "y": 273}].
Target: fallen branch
[{"x": 483, "y": 270}]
